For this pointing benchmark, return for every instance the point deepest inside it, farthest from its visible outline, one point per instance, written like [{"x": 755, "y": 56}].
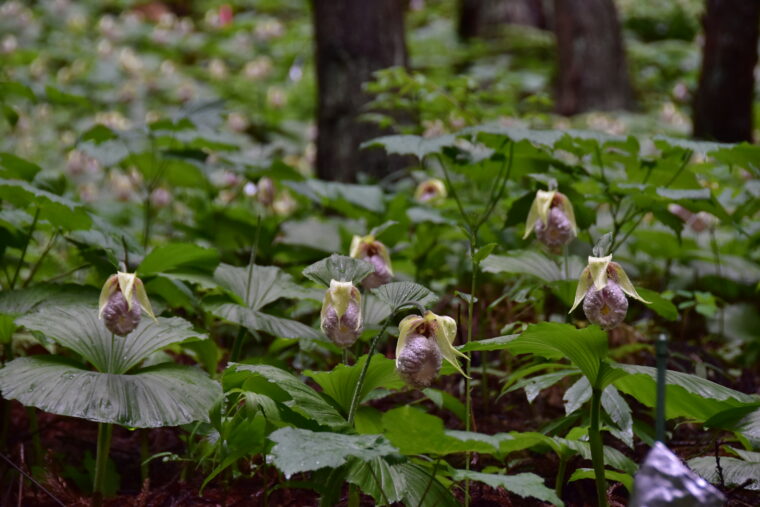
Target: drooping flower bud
[
  {"x": 121, "y": 300},
  {"x": 368, "y": 249},
  {"x": 423, "y": 343},
  {"x": 430, "y": 191},
  {"x": 553, "y": 218},
  {"x": 602, "y": 288},
  {"x": 341, "y": 313}
]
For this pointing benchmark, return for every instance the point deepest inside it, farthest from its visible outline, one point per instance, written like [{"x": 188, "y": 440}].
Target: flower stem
[
  {"x": 101, "y": 459},
  {"x": 468, "y": 366},
  {"x": 26, "y": 247},
  {"x": 363, "y": 374},
  {"x": 560, "y": 480},
  {"x": 597, "y": 449}
]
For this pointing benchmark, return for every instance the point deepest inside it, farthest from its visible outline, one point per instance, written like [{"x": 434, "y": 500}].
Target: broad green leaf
[
  {"x": 659, "y": 304},
  {"x": 378, "y": 479},
  {"x": 612, "y": 456},
  {"x": 23, "y": 301},
  {"x": 57, "y": 210},
  {"x": 484, "y": 252},
  {"x": 585, "y": 348},
  {"x": 576, "y": 395},
  {"x": 416, "y": 432},
  {"x": 396, "y": 294},
  {"x": 260, "y": 321},
  {"x": 686, "y": 395},
  {"x": 340, "y": 268},
  {"x": 13, "y": 167},
  {"x": 735, "y": 471},
  {"x": 534, "y": 385},
  {"x": 307, "y": 400},
  {"x": 620, "y": 413},
  {"x": 267, "y": 284},
  {"x": 525, "y": 485},
  {"x": 498, "y": 343},
  {"x": 79, "y": 329},
  {"x": 442, "y": 399},
  {"x": 297, "y": 450},
  {"x": 418, "y": 146},
  {"x": 744, "y": 420},
  {"x": 375, "y": 311},
  {"x": 162, "y": 395},
  {"x": 532, "y": 263},
  {"x": 312, "y": 233},
  {"x": 339, "y": 384},
  {"x": 423, "y": 490},
  {"x": 185, "y": 257},
  {"x": 368, "y": 197},
  {"x": 588, "y": 473}
]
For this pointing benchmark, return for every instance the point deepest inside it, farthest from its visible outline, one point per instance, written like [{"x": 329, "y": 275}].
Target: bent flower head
[
  {"x": 121, "y": 301},
  {"x": 423, "y": 343},
  {"x": 552, "y": 217},
  {"x": 368, "y": 249},
  {"x": 602, "y": 287},
  {"x": 430, "y": 191},
  {"x": 341, "y": 313}
]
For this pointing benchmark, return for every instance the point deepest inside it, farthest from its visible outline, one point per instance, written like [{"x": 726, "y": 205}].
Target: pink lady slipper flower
[
  {"x": 121, "y": 301},
  {"x": 602, "y": 288},
  {"x": 551, "y": 216},
  {"x": 430, "y": 191},
  {"x": 341, "y": 313},
  {"x": 368, "y": 249},
  {"x": 423, "y": 343}
]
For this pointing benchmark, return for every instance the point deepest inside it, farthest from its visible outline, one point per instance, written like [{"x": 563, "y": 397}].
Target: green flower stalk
[
  {"x": 122, "y": 299},
  {"x": 368, "y": 249},
  {"x": 552, "y": 217},
  {"x": 341, "y": 313},
  {"x": 602, "y": 288},
  {"x": 431, "y": 191},
  {"x": 423, "y": 343}
]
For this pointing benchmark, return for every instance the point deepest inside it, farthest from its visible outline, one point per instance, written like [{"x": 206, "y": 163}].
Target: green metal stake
[{"x": 662, "y": 360}]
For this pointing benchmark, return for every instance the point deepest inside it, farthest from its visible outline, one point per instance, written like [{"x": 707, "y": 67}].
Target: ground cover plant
[{"x": 189, "y": 316}]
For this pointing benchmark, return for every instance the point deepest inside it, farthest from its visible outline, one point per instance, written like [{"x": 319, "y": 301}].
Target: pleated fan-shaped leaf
[
  {"x": 340, "y": 268},
  {"x": 397, "y": 294},
  {"x": 163, "y": 395},
  {"x": 79, "y": 329},
  {"x": 260, "y": 321}
]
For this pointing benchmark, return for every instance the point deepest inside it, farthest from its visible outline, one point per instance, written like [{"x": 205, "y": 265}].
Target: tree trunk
[
  {"x": 353, "y": 39},
  {"x": 592, "y": 70},
  {"x": 483, "y": 18},
  {"x": 723, "y": 102}
]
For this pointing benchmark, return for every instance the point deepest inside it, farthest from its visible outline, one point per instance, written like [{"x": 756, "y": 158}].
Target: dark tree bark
[
  {"x": 592, "y": 70},
  {"x": 353, "y": 39},
  {"x": 723, "y": 102},
  {"x": 483, "y": 18}
]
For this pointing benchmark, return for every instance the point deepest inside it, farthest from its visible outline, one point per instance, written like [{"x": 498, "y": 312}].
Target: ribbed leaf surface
[
  {"x": 79, "y": 329},
  {"x": 162, "y": 395}
]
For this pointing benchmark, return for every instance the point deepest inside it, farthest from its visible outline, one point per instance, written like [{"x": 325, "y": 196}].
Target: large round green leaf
[
  {"x": 79, "y": 329},
  {"x": 162, "y": 395}
]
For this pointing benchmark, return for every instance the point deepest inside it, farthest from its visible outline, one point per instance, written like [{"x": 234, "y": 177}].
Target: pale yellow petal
[
  {"x": 598, "y": 269},
  {"x": 445, "y": 333},
  {"x": 625, "y": 283},
  {"x": 126, "y": 284},
  {"x": 567, "y": 208},
  {"x": 584, "y": 283},
  {"x": 142, "y": 298}
]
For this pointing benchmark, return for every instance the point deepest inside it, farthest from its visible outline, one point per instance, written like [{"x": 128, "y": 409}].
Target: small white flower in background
[
  {"x": 249, "y": 189},
  {"x": 430, "y": 191},
  {"x": 217, "y": 69},
  {"x": 121, "y": 301},
  {"x": 160, "y": 197},
  {"x": 552, "y": 217},
  {"x": 258, "y": 68},
  {"x": 342, "y": 313},
  {"x": 368, "y": 249},
  {"x": 423, "y": 343},
  {"x": 698, "y": 222},
  {"x": 602, "y": 288},
  {"x": 237, "y": 122}
]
